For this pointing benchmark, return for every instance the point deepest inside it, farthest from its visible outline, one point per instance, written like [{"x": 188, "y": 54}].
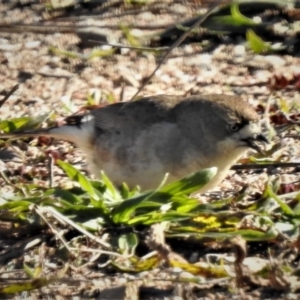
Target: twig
[
  {"x": 40, "y": 211},
  {"x": 54, "y": 75},
  {"x": 8, "y": 94},
  {"x": 50, "y": 167},
  {"x": 5, "y": 179},
  {"x": 212, "y": 10},
  {"x": 294, "y": 136},
  {"x": 90, "y": 250},
  {"x": 132, "y": 12},
  {"x": 66, "y": 220},
  {"x": 130, "y": 47},
  {"x": 265, "y": 165},
  {"x": 290, "y": 120}
]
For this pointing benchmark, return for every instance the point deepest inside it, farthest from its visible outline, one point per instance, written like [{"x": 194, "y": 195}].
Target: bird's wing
[
  {"x": 137, "y": 114},
  {"x": 125, "y": 116}
]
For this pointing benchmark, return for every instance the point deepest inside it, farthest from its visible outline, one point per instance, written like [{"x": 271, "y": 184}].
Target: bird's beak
[{"x": 253, "y": 142}]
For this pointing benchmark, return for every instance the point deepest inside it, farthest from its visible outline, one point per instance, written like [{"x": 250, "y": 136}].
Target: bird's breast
[{"x": 146, "y": 156}]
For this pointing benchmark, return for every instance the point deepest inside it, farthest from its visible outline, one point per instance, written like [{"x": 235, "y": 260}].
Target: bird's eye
[{"x": 234, "y": 127}]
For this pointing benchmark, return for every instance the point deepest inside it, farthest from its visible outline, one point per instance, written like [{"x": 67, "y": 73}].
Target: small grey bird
[{"x": 139, "y": 142}]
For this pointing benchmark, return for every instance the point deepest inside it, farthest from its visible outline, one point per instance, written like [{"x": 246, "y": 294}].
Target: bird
[{"x": 138, "y": 142}]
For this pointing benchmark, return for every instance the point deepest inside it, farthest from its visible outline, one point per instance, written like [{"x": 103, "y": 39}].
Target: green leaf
[
  {"x": 64, "y": 53},
  {"x": 67, "y": 196},
  {"x": 247, "y": 234},
  {"x": 128, "y": 243},
  {"x": 23, "y": 123},
  {"x": 185, "y": 186},
  {"x": 255, "y": 235},
  {"x": 256, "y": 44},
  {"x": 94, "y": 224},
  {"x": 190, "y": 184},
  {"x": 110, "y": 191},
  {"x": 184, "y": 204},
  {"x": 297, "y": 207},
  {"x": 36, "y": 121},
  {"x": 208, "y": 271},
  {"x": 131, "y": 39},
  {"x": 13, "y": 124},
  {"x": 77, "y": 176},
  {"x": 238, "y": 17},
  {"x": 123, "y": 212},
  {"x": 284, "y": 207},
  {"x": 36, "y": 283},
  {"x": 235, "y": 19},
  {"x": 101, "y": 53},
  {"x": 158, "y": 217},
  {"x": 28, "y": 271},
  {"x": 137, "y": 265},
  {"x": 16, "y": 206}
]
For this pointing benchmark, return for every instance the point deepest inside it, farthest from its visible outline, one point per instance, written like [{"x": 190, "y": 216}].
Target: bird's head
[
  {"x": 222, "y": 123},
  {"x": 240, "y": 124}
]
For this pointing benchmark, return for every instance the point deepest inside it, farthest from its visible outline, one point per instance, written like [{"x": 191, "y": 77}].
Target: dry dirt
[{"x": 56, "y": 83}]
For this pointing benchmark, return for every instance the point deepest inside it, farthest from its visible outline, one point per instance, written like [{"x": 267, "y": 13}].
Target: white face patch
[
  {"x": 87, "y": 118},
  {"x": 80, "y": 135},
  {"x": 249, "y": 131}
]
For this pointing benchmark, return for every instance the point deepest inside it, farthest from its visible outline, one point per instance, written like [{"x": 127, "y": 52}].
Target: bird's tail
[{"x": 27, "y": 133}]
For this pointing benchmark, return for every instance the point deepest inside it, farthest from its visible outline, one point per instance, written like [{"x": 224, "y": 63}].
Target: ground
[{"x": 58, "y": 73}]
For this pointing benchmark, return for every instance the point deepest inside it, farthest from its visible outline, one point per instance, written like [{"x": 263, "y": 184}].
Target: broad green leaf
[
  {"x": 60, "y": 204},
  {"x": 128, "y": 243},
  {"x": 94, "y": 224},
  {"x": 184, "y": 204},
  {"x": 67, "y": 196},
  {"x": 110, "y": 192},
  {"x": 23, "y": 123},
  {"x": 13, "y": 124},
  {"x": 124, "y": 211},
  {"x": 100, "y": 204},
  {"x": 16, "y": 205},
  {"x": 124, "y": 191},
  {"x": 297, "y": 207},
  {"x": 141, "y": 219},
  {"x": 190, "y": 184},
  {"x": 77, "y": 176}
]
